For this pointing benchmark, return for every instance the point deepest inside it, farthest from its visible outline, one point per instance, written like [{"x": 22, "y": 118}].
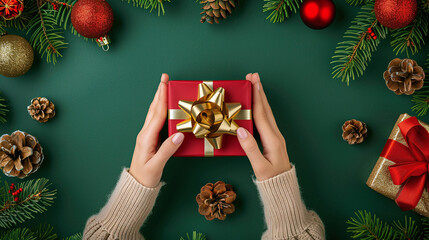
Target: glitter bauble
[
  {"x": 92, "y": 18},
  {"x": 317, "y": 14},
  {"x": 16, "y": 56},
  {"x": 395, "y": 14}
]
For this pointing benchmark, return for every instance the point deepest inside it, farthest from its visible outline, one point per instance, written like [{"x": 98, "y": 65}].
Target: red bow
[{"x": 411, "y": 168}]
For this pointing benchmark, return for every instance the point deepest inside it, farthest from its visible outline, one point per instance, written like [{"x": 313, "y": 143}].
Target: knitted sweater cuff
[
  {"x": 285, "y": 212},
  {"x": 128, "y": 206}
]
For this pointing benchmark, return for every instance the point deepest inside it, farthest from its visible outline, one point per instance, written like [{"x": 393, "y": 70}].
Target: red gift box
[{"x": 238, "y": 91}]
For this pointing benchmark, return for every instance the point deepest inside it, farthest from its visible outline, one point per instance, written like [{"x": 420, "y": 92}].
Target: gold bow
[{"x": 209, "y": 116}]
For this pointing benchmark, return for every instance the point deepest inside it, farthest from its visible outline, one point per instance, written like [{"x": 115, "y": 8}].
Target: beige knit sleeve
[
  {"x": 285, "y": 213},
  {"x": 124, "y": 214}
]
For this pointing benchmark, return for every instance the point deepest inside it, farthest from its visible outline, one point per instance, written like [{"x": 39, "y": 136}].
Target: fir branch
[
  {"x": 46, "y": 36},
  {"x": 352, "y": 55},
  {"x": 412, "y": 37},
  {"x": 3, "y": 110},
  {"x": 368, "y": 226},
  {"x": 195, "y": 236},
  {"x": 18, "y": 234},
  {"x": 425, "y": 225},
  {"x": 35, "y": 198},
  {"x": 76, "y": 236},
  {"x": 356, "y": 2},
  {"x": 44, "y": 232},
  {"x": 62, "y": 15},
  {"x": 149, "y": 4},
  {"x": 407, "y": 231},
  {"x": 421, "y": 97},
  {"x": 280, "y": 9}
]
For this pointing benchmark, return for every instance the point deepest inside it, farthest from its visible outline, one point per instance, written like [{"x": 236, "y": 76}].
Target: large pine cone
[
  {"x": 354, "y": 131},
  {"x": 41, "y": 109},
  {"x": 404, "y": 76},
  {"x": 215, "y": 201},
  {"x": 213, "y": 10},
  {"x": 20, "y": 154}
]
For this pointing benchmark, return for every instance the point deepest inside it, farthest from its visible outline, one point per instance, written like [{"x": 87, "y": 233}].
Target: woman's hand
[
  {"x": 149, "y": 159},
  {"x": 274, "y": 159}
]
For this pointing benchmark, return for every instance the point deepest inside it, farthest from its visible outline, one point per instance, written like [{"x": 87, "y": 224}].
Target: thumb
[
  {"x": 167, "y": 149},
  {"x": 250, "y": 147}
]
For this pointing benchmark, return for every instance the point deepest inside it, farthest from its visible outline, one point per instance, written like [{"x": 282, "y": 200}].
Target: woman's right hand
[{"x": 274, "y": 160}]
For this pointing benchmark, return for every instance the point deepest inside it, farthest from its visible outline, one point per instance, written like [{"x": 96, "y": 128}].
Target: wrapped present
[
  {"x": 401, "y": 172},
  {"x": 209, "y": 114}
]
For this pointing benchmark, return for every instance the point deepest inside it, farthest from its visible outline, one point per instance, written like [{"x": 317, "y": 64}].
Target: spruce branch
[
  {"x": 35, "y": 198},
  {"x": 412, "y": 37},
  {"x": 150, "y": 4},
  {"x": 352, "y": 55},
  {"x": 195, "y": 236},
  {"x": 47, "y": 38},
  {"x": 407, "y": 231},
  {"x": 76, "y": 236},
  {"x": 3, "y": 110},
  {"x": 425, "y": 226},
  {"x": 18, "y": 234},
  {"x": 368, "y": 226},
  {"x": 280, "y": 9},
  {"x": 356, "y": 2},
  {"x": 45, "y": 232},
  {"x": 421, "y": 97}
]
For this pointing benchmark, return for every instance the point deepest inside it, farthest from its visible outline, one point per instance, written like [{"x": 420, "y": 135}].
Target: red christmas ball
[
  {"x": 317, "y": 14},
  {"x": 92, "y": 18},
  {"x": 395, "y": 13}
]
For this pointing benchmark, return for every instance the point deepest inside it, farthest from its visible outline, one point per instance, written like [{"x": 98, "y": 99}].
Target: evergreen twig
[
  {"x": 421, "y": 97},
  {"x": 40, "y": 232},
  {"x": 368, "y": 226},
  {"x": 356, "y": 2},
  {"x": 3, "y": 110},
  {"x": 425, "y": 225},
  {"x": 195, "y": 236},
  {"x": 149, "y": 4},
  {"x": 352, "y": 55},
  {"x": 407, "y": 231},
  {"x": 280, "y": 9},
  {"x": 412, "y": 37},
  {"x": 35, "y": 197}
]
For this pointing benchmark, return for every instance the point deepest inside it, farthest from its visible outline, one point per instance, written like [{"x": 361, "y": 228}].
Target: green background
[{"x": 102, "y": 99}]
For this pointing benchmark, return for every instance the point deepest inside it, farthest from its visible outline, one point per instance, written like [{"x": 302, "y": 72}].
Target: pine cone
[
  {"x": 215, "y": 201},
  {"x": 404, "y": 76},
  {"x": 354, "y": 131},
  {"x": 213, "y": 10},
  {"x": 41, "y": 109},
  {"x": 20, "y": 154}
]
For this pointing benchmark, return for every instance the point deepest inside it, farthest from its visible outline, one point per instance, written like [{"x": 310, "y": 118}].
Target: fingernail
[
  {"x": 258, "y": 86},
  {"x": 178, "y": 138},
  {"x": 242, "y": 133}
]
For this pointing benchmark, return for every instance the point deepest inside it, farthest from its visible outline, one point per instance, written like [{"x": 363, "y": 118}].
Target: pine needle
[
  {"x": 35, "y": 198},
  {"x": 149, "y": 4},
  {"x": 352, "y": 55},
  {"x": 421, "y": 97},
  {"x": 412, "y": 37},
  {"x": 280, "y": 9},
  {"x": 3, "y": 110},
  {"x": 195, "y": 236}
]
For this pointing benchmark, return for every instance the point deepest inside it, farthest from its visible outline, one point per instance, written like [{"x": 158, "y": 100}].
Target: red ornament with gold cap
[
  {"x": 93, "y": 19},
  {"x": 11, "y": 9}
]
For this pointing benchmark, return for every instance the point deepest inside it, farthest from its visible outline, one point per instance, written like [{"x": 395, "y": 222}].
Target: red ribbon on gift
[{"x": 411, "y": 168}]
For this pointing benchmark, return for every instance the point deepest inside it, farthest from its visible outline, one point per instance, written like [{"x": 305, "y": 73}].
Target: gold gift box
[{"x": 380, "y": 179}]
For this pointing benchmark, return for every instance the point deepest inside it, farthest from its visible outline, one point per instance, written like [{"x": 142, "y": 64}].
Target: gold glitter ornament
[{"x": 16, "y": 55}]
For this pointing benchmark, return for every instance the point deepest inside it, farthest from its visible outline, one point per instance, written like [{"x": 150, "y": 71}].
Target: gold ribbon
[{"x": 209, "y": 117}]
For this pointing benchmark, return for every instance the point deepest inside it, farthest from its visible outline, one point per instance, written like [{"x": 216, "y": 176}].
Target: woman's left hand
[{"x": 148, "y": 159}]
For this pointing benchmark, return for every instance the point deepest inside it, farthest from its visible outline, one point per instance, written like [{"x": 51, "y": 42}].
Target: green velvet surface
[{"x": 102, "y": 99}]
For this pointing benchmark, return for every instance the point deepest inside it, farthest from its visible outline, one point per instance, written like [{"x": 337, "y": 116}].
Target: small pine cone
[
  {"x": 20, "y": 154},
  {"x": 354, "y": 131},
  {"x": 215, "y": 200},
  {"x": 404, "y": 76},
  {"x": 213, "y": 10},
  {"x": 41, "y": 109}
]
